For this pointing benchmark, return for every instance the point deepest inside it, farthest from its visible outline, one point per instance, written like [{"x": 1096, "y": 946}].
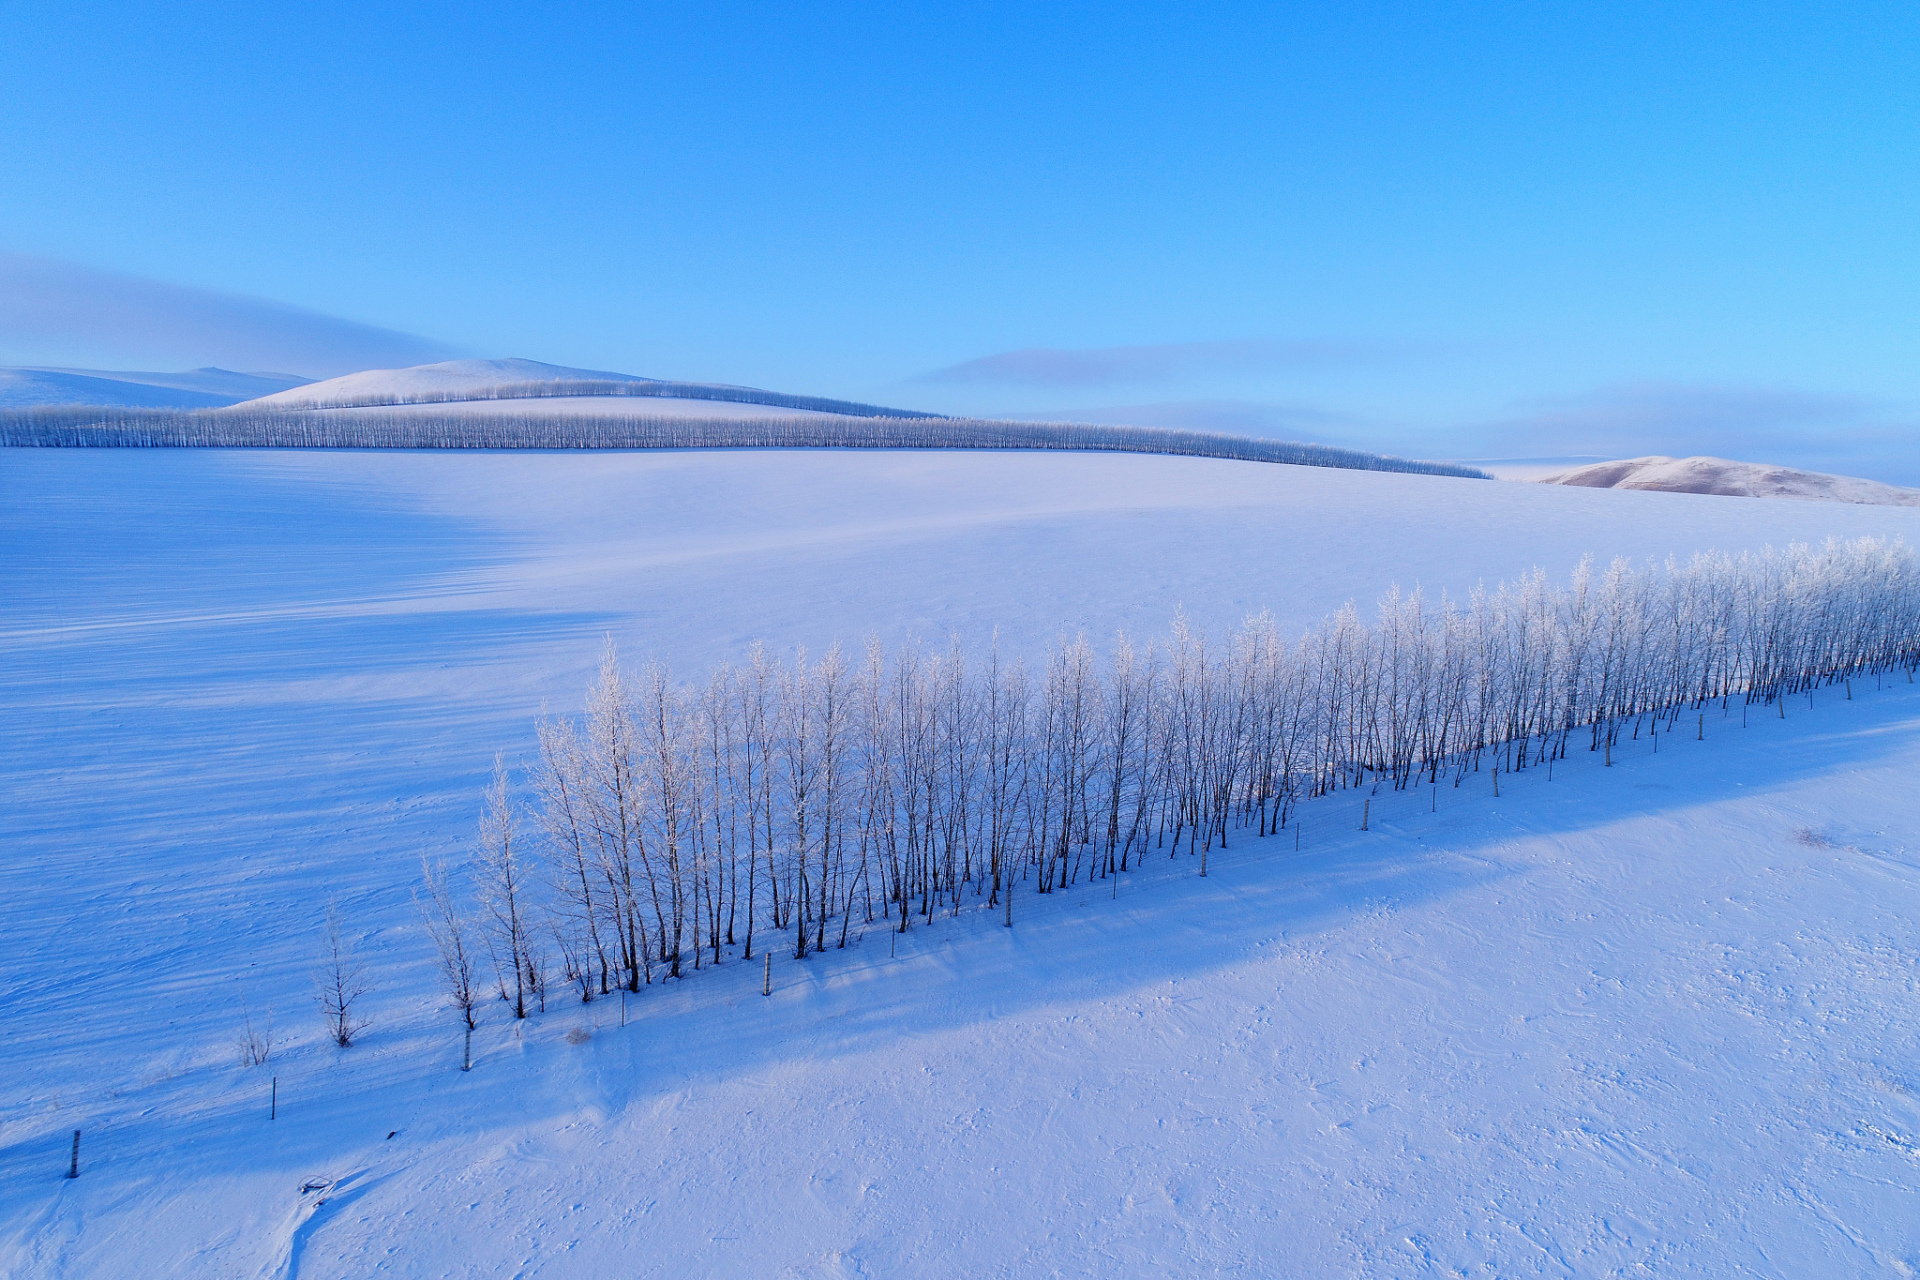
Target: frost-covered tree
[
  {"x": 447, "y": 926},
  {"x": 506, "y": 896},
  {"x": 800, "y": 792},
  {"x": 340, "y": 981}
]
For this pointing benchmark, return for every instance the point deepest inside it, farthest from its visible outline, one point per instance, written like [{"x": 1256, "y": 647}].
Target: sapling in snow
[
  {"x": 505, "y": 890},
  {"x": 254, "y": 1043},
  {"x": 340, "y": 982},
  {"x": 447, "y": 926}
]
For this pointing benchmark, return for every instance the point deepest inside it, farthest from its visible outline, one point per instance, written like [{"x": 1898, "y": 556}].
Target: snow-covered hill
[
  {"x": 459, "y": 386},
  {"x": 523, "y": 404},
  {"x": 1656, "y": 1017},
  {"x": 626, "y": 407},
  {"x": 1732, "y": 479},
  {"x": 195, "y": 389},
  {"x": 448, "y": 380}
]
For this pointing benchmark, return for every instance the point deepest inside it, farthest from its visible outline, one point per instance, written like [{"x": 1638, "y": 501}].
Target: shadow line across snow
[{"x": 1166, "y": 927}]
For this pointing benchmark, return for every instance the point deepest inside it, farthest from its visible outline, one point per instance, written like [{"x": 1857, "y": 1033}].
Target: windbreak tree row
[
  {"x": 531, "y": 427},
  {"x": 786, "y": 803}
]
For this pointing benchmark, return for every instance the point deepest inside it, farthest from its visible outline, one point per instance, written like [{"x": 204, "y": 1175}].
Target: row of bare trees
[
  {"x": 522, "y": 422},
  {"x": 785, "y": 803}
]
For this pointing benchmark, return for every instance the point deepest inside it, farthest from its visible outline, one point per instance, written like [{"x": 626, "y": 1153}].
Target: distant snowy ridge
[
  {"x": 244, "y": 427},
  {"x": 569, "y": 388},
  {"x": 347, "y": 413},
  {"x": 458, "y": 381},
  {"x": 448, "y": 380},
  {"x": 1732, "y": 479},
  {"x": 26, "y": 387}
]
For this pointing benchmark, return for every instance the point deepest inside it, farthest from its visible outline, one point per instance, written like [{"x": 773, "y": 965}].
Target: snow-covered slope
[
  {"x": 451, "y": 379},
  {"x": 194, "y": 389},
  {"x": 1732, "y": 479},
  {"x": 1653, "y": 1018},
  {"x": 466, "y": 386},
  {"x": 681, "y": 407}
]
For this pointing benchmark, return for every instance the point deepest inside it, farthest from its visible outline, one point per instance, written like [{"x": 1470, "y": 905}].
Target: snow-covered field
[{"x": 1659, "y": 1018}]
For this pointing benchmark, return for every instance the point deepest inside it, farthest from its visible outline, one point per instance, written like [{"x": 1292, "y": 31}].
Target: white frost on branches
[{"x": 795, "y": 798}]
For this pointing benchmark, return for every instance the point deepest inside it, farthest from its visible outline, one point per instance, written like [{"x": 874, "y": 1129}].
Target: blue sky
[{"x": 1458, "y": 230}]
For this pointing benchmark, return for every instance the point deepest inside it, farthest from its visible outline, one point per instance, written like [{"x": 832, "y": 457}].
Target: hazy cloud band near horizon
[
  {"x": 1672, "y": 418},
  {"x": 1090, "y": 367},
  {"x": 1820, "y": 431},
  {"x": 54, "y": 312}
]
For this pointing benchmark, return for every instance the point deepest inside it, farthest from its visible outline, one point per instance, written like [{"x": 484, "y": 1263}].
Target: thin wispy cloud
[
  {"x": 1053, "y": 368},
  {"x": 62, "y": 313}
]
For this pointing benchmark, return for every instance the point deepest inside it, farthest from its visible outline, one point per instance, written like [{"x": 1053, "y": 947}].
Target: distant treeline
[{"x": 87, "y": 427}]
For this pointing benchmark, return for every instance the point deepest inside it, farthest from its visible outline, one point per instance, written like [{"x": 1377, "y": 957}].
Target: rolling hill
[
  {"x": 1724, "y": 478},
  {"x": 478, "y": 383}
]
